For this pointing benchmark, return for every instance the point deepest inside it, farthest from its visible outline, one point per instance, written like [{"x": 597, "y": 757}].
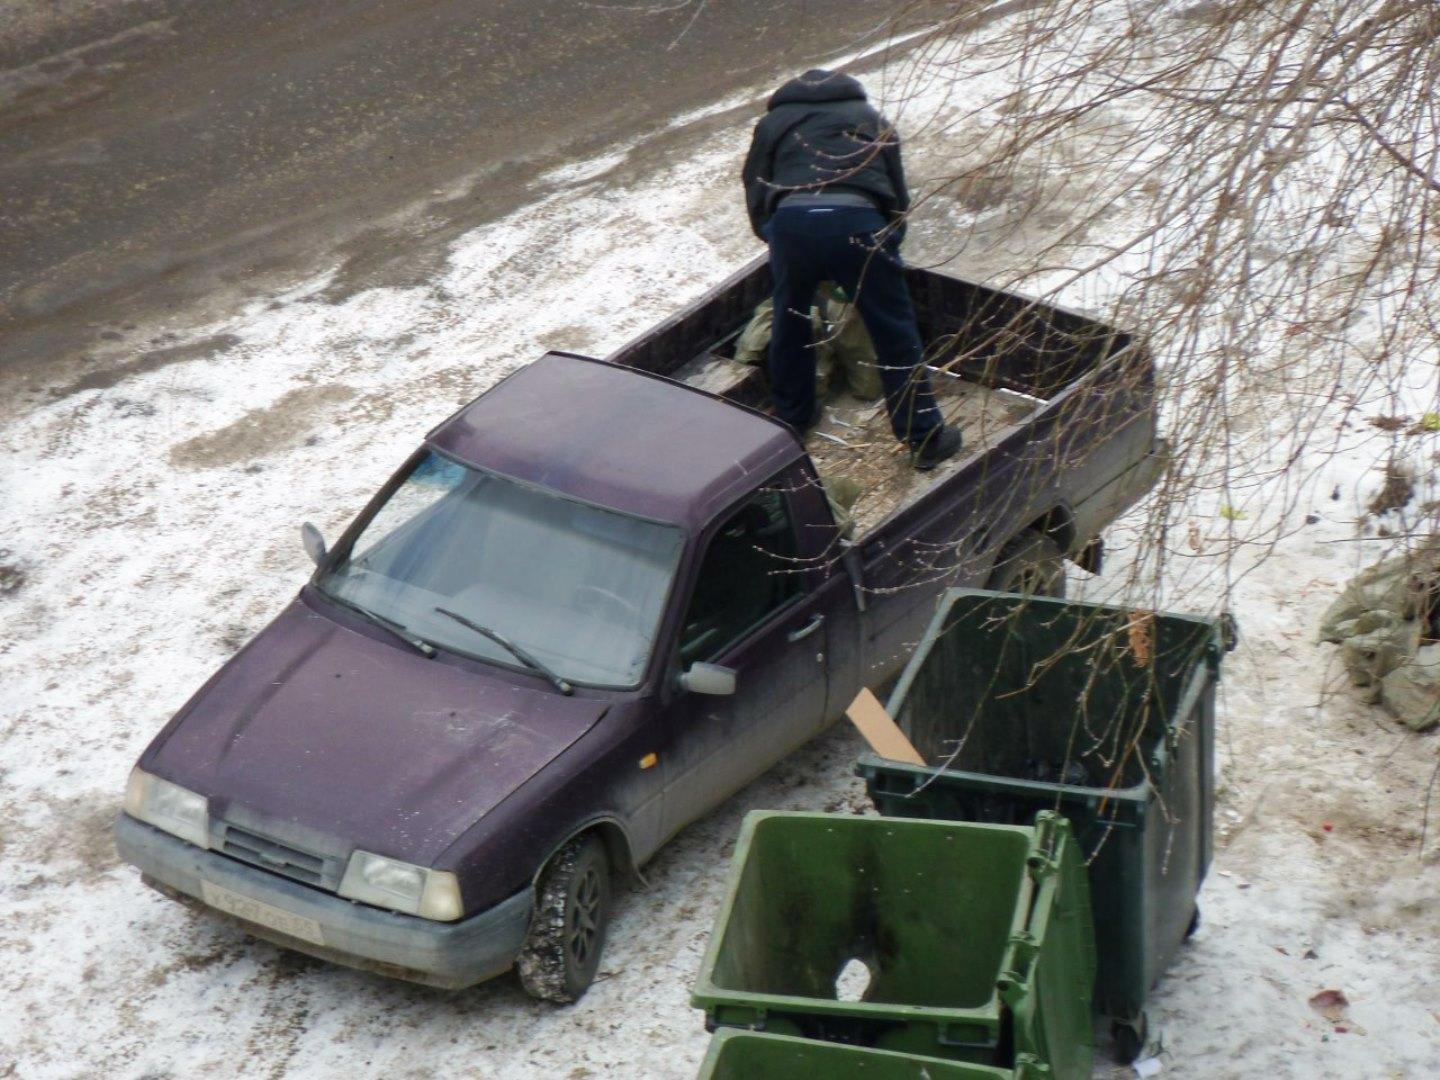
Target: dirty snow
[{"x": 149, "y": 528}]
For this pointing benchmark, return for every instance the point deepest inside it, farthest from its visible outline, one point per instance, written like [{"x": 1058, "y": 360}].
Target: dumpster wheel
[{"x": 1130, "y": 1036}]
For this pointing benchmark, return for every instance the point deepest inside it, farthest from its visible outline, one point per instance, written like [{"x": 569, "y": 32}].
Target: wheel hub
[{"x": 585, "y": 916}]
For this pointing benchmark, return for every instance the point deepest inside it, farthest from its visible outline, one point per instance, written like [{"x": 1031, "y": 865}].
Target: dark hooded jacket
[{"x": 819, "y": 133}]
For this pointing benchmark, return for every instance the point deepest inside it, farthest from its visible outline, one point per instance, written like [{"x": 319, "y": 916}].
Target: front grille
[{"x": 281, "y": 858}]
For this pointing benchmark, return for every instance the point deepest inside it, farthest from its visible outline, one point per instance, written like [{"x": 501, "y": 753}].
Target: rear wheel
[
  {"x": 567, "y": 935},
  {"x": 1030, "y": 563}
]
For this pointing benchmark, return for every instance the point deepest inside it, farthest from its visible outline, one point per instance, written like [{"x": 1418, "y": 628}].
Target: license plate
[{"x": 263, "y": 914}]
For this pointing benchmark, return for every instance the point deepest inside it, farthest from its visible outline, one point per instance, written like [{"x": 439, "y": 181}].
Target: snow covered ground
[{"x": 150, "y": 527}]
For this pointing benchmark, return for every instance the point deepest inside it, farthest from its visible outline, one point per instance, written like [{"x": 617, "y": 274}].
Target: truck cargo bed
[
  {"x": 997, "y": 359},
  {"x": 854, "y": 440}
]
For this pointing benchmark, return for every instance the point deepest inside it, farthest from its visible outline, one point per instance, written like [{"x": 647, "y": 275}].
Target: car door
[{"x": 754, "y": 607}]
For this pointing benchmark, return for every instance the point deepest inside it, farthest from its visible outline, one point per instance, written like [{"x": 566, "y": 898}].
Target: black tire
[
  {"x": 1194, "y": 923},
  {"x": 1130, "y": 1037},
  {"x": 562, "y": 949},
  {"x": 1030, "y": 563}
]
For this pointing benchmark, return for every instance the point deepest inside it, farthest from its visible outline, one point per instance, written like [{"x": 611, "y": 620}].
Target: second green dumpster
[{"x": 976, "y": 938}]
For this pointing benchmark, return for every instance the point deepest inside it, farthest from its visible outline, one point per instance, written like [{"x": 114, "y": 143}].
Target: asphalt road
[{"x": 159, "y": 156}]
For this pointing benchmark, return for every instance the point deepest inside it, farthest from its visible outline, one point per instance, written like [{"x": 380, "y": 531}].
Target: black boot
[{"x": 940, "y": 445}]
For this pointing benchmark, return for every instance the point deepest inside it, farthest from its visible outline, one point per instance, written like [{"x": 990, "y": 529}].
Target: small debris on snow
[
  {"x": 1151, "y": 1066},
  {"x": 11, "y": 576},
  {"x": 1389, "y": 423},
  {"x": 1331, "y": 1004}
]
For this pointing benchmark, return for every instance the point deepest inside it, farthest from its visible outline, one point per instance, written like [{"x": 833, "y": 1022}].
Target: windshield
[{"x": 579, "y": 588}]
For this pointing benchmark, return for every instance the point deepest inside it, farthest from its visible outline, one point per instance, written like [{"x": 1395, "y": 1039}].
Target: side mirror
[
  {"x": 314, "y": 543},
  {"x": 711, "y": 679}
]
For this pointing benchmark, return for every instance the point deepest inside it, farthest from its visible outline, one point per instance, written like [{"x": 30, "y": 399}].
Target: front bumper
[{"x": 449, "y": 955}]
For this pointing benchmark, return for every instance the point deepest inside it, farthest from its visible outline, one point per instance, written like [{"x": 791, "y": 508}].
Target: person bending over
[{"x": 825, "y": 189}]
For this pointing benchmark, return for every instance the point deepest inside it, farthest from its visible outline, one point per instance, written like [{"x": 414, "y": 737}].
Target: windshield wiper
[
  {"x": 514, "y": 650},
  {"x": 417, "y": 643}
]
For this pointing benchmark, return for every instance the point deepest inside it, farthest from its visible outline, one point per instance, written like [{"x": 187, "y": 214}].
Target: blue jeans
[{"x": 812, "y": 244}]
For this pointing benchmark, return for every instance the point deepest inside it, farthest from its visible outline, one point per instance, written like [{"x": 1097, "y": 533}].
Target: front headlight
[
  {"x": 389, "y": 883},
  {"x": 168, "y": 806}
]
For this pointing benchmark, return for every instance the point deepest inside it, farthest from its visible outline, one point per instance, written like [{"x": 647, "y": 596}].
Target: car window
[
  {"x": 580, "y": 588},
  {"x": 750, "y": 570}
]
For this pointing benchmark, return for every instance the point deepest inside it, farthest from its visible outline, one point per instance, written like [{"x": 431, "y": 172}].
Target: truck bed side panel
[{"x": 1087, "y": 435}]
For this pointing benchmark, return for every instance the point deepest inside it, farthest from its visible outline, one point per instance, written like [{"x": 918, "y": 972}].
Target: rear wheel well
[
  {"x": 1058, "y": 524},
  {"x": 1030, "y": 562}
]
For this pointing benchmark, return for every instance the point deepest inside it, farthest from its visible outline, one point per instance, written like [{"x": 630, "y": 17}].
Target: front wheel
[
  {"x": 1030, "y": 563},
  {"x": 562, "y": 949}
]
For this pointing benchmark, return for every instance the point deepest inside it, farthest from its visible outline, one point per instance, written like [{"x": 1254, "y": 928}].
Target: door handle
[{"x": 806, "y": 630}]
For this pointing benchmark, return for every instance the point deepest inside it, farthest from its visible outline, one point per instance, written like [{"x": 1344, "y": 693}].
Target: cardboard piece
[{"x": 880, "y": 730}]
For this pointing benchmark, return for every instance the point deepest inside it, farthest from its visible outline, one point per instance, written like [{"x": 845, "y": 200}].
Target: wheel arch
[
  {"x": 612, "y": 834},
  {"x": 1058, "y": 523}
]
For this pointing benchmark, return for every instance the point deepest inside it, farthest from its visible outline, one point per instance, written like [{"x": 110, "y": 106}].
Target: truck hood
[{"x": 328, "y": 739}]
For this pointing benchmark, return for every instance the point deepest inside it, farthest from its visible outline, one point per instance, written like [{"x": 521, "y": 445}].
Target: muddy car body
[{"x": 596, "y": 602}]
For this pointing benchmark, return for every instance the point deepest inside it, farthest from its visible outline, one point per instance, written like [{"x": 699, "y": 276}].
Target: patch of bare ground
[
  {"x": 261, "y": 431},
  {"x": 12, "y": 574},
  {"x": 189, "y": 963},
  {"x": 574, "y": 338},
  {"x": 153, "y": 360},
  {"x": 73, "y": 840}
]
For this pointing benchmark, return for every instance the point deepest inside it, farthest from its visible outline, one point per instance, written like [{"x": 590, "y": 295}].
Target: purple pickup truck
[{"x": 598, "y": 600}]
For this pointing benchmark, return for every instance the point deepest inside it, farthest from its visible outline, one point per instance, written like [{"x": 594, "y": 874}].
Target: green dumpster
[
  {"x": 975, "y": 939},
  {"x": 1103, "y": 714},
  {"x": 748, "y": 1055}
]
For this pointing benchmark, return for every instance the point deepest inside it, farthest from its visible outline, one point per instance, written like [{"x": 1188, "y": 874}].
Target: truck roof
[{"x": 619, "y": 438}]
